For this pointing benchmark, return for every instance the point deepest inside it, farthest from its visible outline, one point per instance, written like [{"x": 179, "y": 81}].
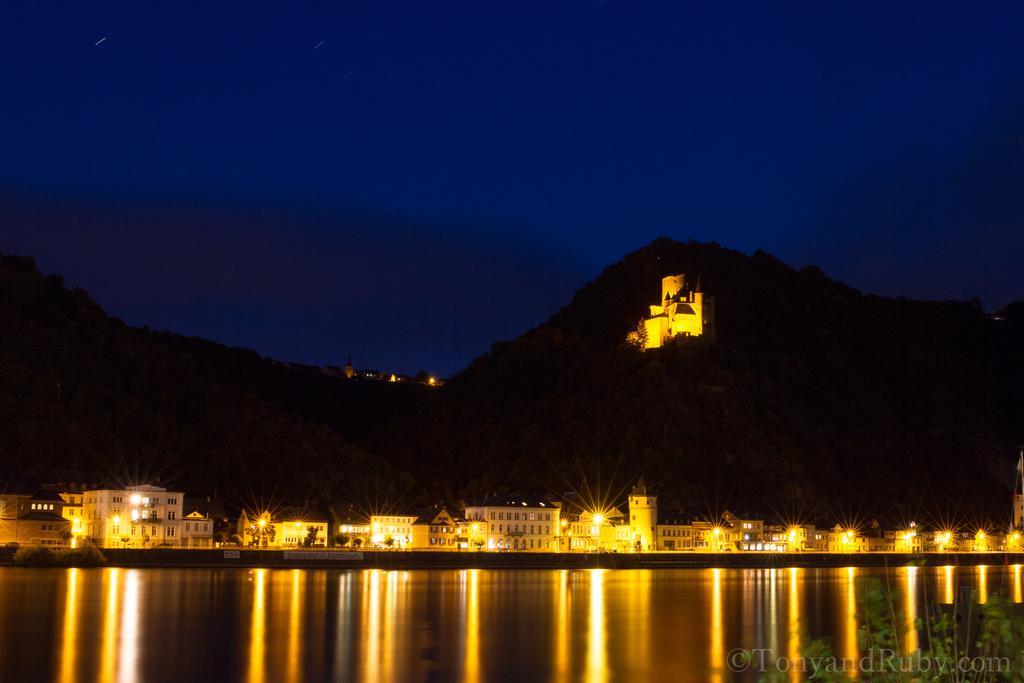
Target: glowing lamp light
[
  {"x": 598, "y": 518},
  {"x": 262, "y": 522},
  {"x": 117, "y": 520},
  {"x": 136, "y": 499},
  {"x": 716, "y": 531}
]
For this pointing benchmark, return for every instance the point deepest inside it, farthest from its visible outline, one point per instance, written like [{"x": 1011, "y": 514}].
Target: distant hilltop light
[
  {"x": 349, "y": 372},
  {"x": 682, "y": 313}
]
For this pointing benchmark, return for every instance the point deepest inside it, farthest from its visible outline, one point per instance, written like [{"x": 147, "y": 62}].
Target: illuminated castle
[{"x": 682, "y": 312}]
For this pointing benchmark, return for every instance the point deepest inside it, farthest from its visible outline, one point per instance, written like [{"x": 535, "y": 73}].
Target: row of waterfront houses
[
  {"x": 537, "y": 525},
  {"x": 149, "y": 516},
  {"x": 134, "y": 517}
]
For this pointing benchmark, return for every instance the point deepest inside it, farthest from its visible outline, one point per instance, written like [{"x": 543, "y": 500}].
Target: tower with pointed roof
[{"x": 643, "y": 516}]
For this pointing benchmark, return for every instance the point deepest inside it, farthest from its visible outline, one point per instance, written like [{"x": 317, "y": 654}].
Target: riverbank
[{"x": 375, "y": 559}]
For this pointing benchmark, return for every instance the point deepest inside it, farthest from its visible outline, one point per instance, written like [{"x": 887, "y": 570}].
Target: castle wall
[{"x": 657, "y": 330}]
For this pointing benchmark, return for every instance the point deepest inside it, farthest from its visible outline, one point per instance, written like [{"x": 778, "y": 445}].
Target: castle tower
[
  {"x": 671, "y": 285},
  {"x": 350, "y": 372},
  {"x": 643, "y": 517}
]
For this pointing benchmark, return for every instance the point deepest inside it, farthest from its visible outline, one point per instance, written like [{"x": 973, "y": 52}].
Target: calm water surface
[{"x": 266, "y": 626}]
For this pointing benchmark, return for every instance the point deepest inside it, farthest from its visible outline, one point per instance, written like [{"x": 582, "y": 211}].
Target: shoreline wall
[{"x": 411, "y": 559}]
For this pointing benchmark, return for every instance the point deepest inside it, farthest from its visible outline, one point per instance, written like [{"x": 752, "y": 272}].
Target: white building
[
  {"x": 392, "y": 531},
  {"x": 518, "y": 524},
  {"x": 137, "y": 517},
  {"x": 196, "y": 530}
]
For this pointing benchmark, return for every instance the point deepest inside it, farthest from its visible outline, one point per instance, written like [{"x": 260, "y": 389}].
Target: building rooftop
[
  {"x": 515, "y": 501},
  {"x": 43, "y": 516}
]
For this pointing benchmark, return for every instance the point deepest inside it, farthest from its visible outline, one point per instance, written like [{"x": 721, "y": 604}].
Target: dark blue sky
[{"x": 409, "y": 184}]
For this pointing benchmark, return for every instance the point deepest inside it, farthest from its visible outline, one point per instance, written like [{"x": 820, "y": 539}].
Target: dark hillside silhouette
[{"x": 813, "y": 400}]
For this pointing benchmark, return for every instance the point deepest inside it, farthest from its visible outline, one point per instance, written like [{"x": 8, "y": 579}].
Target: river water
[{"x": 266, "y": 626}]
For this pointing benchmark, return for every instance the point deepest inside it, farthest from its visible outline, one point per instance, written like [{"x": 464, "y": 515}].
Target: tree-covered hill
[
  {"x": 85, "y": 398},
  {"x": 813, "y": 400}
]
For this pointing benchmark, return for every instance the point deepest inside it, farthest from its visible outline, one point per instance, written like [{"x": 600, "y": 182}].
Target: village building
[
  {"x": 133, "y": 517},
  {"x": 513, "y": 524},
  {"x": 674, "y": 535},
  {"x": 199, "y": 522},
  {"x": 440, "y": 530},
  {"x": 392, "y": 530},
  {"x": 351, "y": 528},
  {"x": 286, "y": 527},
  {"x": 25, "y": 520}
]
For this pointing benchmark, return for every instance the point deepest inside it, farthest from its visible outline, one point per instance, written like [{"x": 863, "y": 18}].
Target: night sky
[{"x": 407, "y": 185}]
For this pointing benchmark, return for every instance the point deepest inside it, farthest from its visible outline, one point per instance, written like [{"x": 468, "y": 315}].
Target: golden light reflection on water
[
  {"x": 471, "y": 668},
  {"x": 371, "y": 621},
  {"x": 562, "y": 630},
  {"x": 128, "y": 662},
  {"x": 638, "y": 632},
  {"x": 716, "y": 652},
  {"x": 850, "y": 649},
  {"x": 294, "y": 627},
  {"x": 69, "y": 635},
  {"x": 257, "y": 629},
  {"x": 948, "y": 585},
  {"x": 388, "y": 629},
  {"x": 773, "y": 610},
  {"x": 596, "y": 665},
  {"x": 343, "y": 626},
  {"x": 108, "y": 643},
  {"x": 910, "y": 637},
  {"x": 794, "y": 645},
  {"x": 597, "y": 625}
]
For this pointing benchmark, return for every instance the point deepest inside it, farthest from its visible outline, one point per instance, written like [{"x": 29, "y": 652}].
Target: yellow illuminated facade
[
  {"x": 643, "y": 518},
  {"x": 513, "y": 524},
  {"x": 682, "y": 312},
  {"x": 136, "y": 517},
  {"x": 71, "y": 510},
  {"x": 846, "y": 540},
  {"x": 285, "y": 529},
  {"x": 25, "y": 520},
  {"x": 392, "y": 531},
  {"x": 674, "y": 536},
  {"x": 441, "y": 530},
  {"x": 197, "y": 530}
]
